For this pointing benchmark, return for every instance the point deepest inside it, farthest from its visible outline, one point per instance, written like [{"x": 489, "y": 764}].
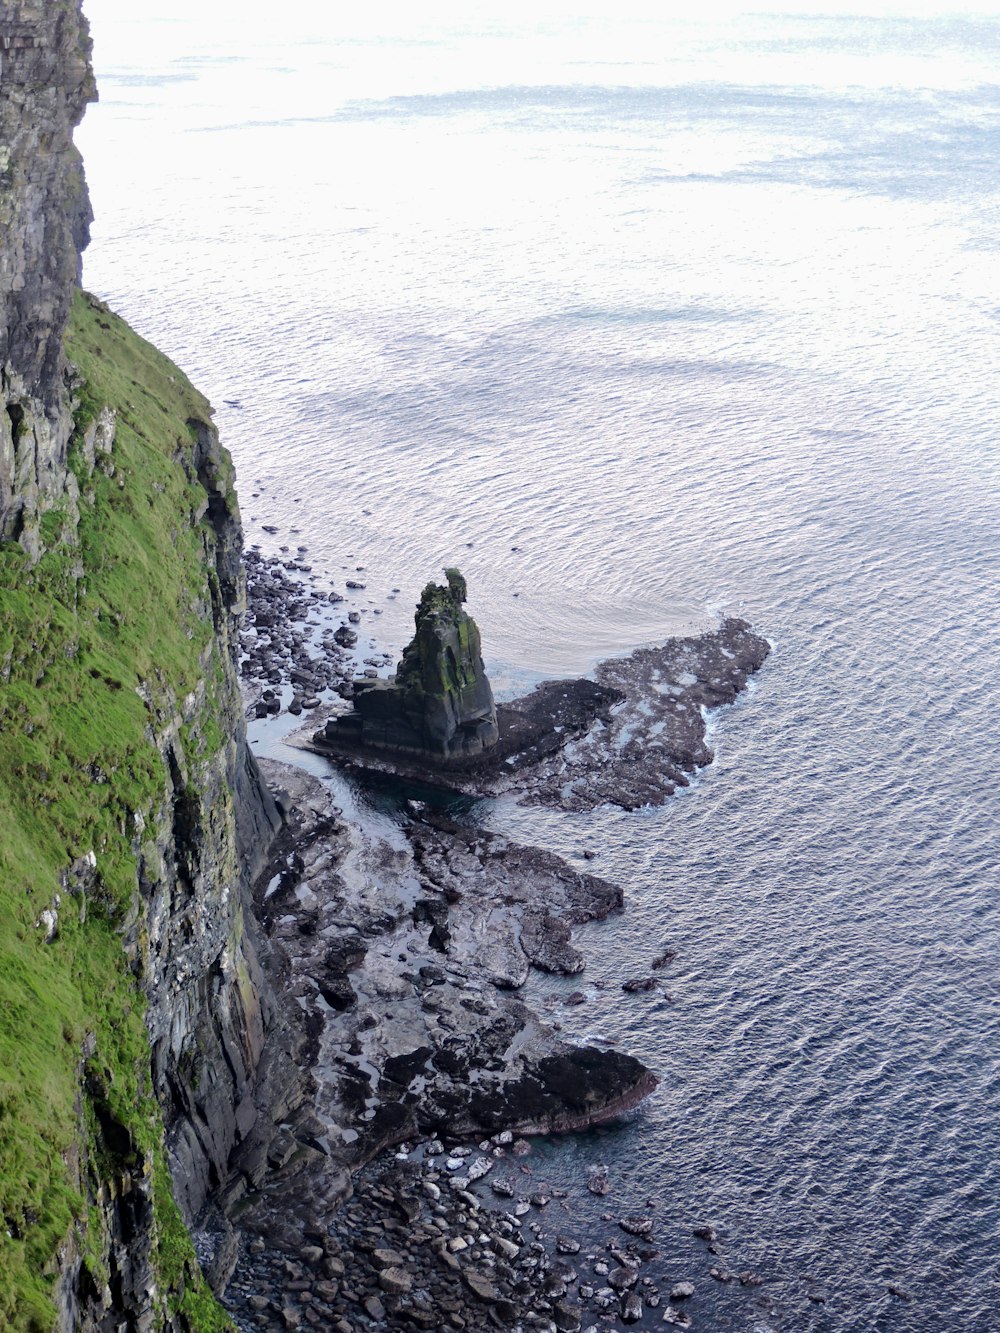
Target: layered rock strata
[
  {"x": 45, "y": 85},
  {"x": 439, "y": 703}
]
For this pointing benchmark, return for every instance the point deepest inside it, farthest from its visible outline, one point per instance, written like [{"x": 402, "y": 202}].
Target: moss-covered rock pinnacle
[{"x": 440, "y": 701}]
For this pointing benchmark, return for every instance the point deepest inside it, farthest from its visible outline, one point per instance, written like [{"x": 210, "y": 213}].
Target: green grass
[{"x": 92, "y": 662}]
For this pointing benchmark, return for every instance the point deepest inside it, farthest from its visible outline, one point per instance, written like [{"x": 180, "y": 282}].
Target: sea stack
[{"x": 440, "y": 702}]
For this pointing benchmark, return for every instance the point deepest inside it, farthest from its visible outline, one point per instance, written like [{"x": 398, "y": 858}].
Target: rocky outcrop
[
  {"x": 403, "y": 960},
  {"x": 630, "y": 738},
  {"x": 439, "y": 703},
  {"x": 45, "y": 85}
]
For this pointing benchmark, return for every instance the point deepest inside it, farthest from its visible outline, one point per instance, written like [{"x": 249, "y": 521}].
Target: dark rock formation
[
  {"x": 630, "y": 738},
  {"x": 440, "y": 702},
  {"x": 45, "y": 84},
  {"x": 418, "y": 1030}
]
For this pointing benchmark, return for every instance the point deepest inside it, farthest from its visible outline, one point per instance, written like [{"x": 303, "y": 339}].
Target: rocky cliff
[{"x": 132, "y": 815}]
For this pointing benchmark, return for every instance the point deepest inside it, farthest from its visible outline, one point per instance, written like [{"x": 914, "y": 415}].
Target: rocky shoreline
[
  {"x": 630, "y": 738},
  {"x": 391, "y": 1197},
  {"x": 421, "y": 1246},
  {"x": 399, "y": 952}
]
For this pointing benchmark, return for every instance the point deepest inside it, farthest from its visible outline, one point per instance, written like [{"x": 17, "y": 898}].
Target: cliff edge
[{"x": 132, "y": 815}]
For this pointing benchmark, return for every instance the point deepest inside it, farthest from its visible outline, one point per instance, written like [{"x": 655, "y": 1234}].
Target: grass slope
[{"x": 79, "y": 773}]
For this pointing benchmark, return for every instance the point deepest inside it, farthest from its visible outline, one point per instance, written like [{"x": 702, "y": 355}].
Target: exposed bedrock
[
  {"x": 439, "y": 702},
  {"x": 630, "y": 737},
  {"x": 402, "y": 959},
  {"x": 45, "y": 85}
]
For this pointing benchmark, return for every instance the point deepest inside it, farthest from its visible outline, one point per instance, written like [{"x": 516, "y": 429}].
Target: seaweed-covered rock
[{"x": 440, "y": 702}]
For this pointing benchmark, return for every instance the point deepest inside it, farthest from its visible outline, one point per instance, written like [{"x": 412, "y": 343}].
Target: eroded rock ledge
[
  {"x": 630, "y": 737},
  {"x": 407, "y": 955},
  {"x": 399, "y": 956}
]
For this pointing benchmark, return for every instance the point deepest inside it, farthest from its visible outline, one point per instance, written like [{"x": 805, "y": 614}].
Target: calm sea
[{"x": 638, "y": 320}]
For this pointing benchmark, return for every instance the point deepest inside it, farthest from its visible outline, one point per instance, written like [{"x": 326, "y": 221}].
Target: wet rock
[
  {"x": 705, "y": 1233},
  {"x": 637, "y": 1226},
  {"x": 631, "y": 1307},
  {"x": 597, "y": 1180},
  {"x": 374, "y": 1308},
  {"x": 623, "y": 1278},
  {"x": 480, "y": 1286},
  {"x": 639, "y": 984},
  {"x": 566, "y": 1316},
  {"x": 681, "y": 1291},
  {"x": 388, "y": 1258},
  {"x": 676, "y": 1317}
]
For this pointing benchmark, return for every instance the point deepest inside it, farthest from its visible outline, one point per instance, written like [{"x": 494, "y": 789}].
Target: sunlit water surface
[{"x": 637, "y": 321}]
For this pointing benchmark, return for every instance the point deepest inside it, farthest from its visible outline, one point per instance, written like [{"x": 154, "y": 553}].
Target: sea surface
[{"x": 638, "y": 321}]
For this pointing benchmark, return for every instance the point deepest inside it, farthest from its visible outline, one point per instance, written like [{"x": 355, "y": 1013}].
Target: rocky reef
[
  {"x": 630, "y": 737},
  {"x": 439, "y": 703}
]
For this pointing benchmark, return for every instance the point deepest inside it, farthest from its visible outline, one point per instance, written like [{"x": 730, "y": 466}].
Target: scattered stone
[
  {"x": 395, "y": 1280},
  {"x": 682, "y": 1291},
  {"x": 637, "y": 1226},
  {"x": 388, "y": 1258},
  {"x": 676, "y": 1317},
  {"x": 639, "y": 984},
  {"x": 480, "y": 1286}
]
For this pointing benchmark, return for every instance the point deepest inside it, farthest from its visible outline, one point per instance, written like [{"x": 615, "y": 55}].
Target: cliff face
[
  {"x": 45, "y": 85},
  {"x": 132, "y": 815}
]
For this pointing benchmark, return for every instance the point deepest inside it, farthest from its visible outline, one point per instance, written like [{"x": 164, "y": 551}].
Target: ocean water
[{"x": 638, "y": 320}]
